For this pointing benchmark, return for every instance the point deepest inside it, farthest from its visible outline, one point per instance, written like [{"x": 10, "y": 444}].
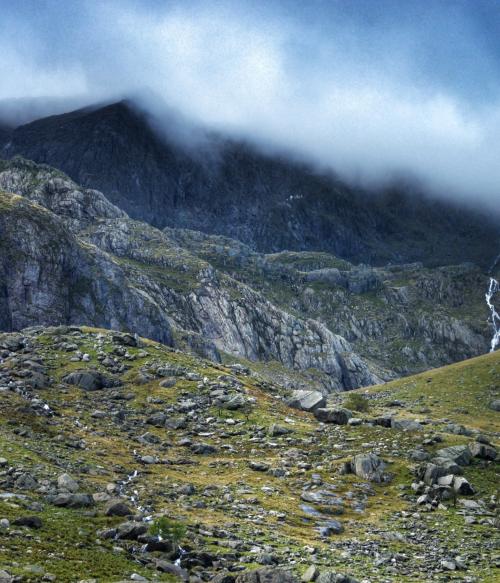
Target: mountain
[
  {"x": 230, "y": 188},
  {"x": 109, "y": 440},
  {"x": 69, "y": 256}
]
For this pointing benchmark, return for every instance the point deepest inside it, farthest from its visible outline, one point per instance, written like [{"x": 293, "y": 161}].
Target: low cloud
[{"x": 368, "y": 98}]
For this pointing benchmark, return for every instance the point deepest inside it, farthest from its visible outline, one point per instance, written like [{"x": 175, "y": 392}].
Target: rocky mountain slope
[
  {"x": 405, "y": 317},
  {"x": 338, "y": 325},
  {"x": 268, "y": 202},
  {"x": 123, "y": 459},
  {"x": 84, "y": 261}
]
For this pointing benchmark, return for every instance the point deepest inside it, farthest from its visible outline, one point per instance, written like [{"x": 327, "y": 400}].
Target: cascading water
[{"x": 493, "y": 288}]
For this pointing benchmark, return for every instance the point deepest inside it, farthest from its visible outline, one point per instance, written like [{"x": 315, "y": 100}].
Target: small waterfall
[
  {"x": 494, "y": 319},
  {"x": 182, "y": 552}
]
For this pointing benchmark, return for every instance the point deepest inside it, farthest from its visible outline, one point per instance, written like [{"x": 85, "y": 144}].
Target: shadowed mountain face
[{"x": 268, "y": 202}]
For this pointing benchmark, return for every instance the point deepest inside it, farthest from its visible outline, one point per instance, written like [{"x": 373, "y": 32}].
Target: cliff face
[
  {"x": 229, "y": 188},
  {"x": 93, "y": 265}
]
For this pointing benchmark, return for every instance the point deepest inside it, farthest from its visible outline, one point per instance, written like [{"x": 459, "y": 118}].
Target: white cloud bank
[{"x": 268, "y": 79}]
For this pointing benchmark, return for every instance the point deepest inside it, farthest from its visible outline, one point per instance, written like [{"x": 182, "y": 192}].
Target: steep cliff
[{"x": 92, "y": 265}]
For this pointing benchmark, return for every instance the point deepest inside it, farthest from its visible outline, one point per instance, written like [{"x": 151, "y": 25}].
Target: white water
[
  {"x": 494, "y": 319},
  {"x": 182, "y": 552}
]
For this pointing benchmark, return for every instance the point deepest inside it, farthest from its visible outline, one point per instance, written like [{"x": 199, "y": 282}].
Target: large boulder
[
  {"x": 369, "y": 467},
  {"x": 131, "y": 530},
  {"x": 90, "y": 380},
  {"x": 460, "y": 454},
  {"x": 406, "y": 425},
  {"x": 306, "y": 400},
  {"x": 65, "y": 483},
  {"x": 339, "y": 416},
  {"x": 68, "y": 500},
  {"x": 482, "y": 451}
]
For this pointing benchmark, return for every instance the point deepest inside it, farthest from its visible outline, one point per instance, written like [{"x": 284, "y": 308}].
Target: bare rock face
[
  {"x": 114, "y": 272},
  {"x": 70, "y": 256}
]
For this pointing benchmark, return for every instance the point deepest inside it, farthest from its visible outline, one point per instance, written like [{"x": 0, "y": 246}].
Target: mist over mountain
[
  {"x": 368, "y": 90},
  {"x": 229, "y": 187}
]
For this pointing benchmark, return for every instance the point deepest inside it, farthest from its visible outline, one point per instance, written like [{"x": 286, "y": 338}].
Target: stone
[
  {"x": 406, "y": 425},
  {"x": 202, "y": 448},
  {"x": 338, "y": 416},
  {"x": 432, "y": 472},
  {"x": 462, "y": 486},
  {"x": 168, "y": 383},
  {"x": 276, "y": 430},
  {"x": 68, "y": 500},
  {"x": 460, "y": 454},
  {"x": 223, "y": 577},
  {"x": 267, "y": 575},
  {"x": 369, "y": 467},
  {"x": 172, "y": 569},
  {"x": 446, "y": 480},
  {"x": 90, "y": 380},
  {"x": 310, "y": 574},
  {"x": 28, "y": 521},
  {"x": 26, "y": 482},
  {"x": 306, "y": 400},
  {"x": 330, "y": 527},
  {"x": 258, "y": 466},
  {"x": 482, "y": 451},
  {"x": 332, "y": 577},
  {"x": 66, "y": 483},
  {"x": 117, "y": 507},
  {"x": 131, "y": 530},
  {"x": 495, "y": 405}
]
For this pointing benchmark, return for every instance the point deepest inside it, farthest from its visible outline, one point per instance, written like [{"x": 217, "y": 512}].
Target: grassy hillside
[{"x": 252, "y": 485}]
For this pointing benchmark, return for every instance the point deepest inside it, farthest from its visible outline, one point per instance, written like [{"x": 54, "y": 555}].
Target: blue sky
[{"x": 367, "y": 87}]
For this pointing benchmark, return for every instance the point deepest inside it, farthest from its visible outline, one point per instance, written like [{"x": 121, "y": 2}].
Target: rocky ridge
[{"x": 91, "y": 264}]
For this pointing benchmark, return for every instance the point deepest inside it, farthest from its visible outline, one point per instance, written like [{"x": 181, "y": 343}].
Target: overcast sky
[{"x": 367, "y": 87}]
